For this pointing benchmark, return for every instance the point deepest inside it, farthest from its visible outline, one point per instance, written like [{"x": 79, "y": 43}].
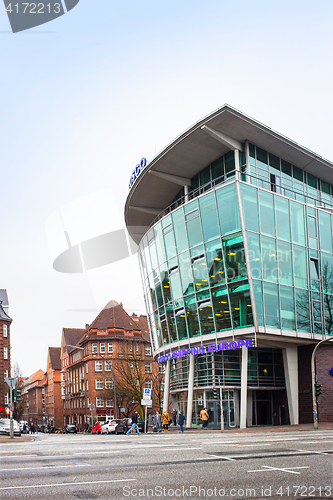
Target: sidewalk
[
  {"x": 257, "y": 429},
  {"x": 21, "y": 439}
]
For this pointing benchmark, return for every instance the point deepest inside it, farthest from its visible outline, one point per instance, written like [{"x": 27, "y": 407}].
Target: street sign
[
  {"x": 7, "y": 410},
  {"x": 122, "y": 410},
  {"x": 92, "y": 406},
  {"x": 146, "y": 402},
  {"x": 146, "y": 393},
  {"x": 11, "y": 381}
]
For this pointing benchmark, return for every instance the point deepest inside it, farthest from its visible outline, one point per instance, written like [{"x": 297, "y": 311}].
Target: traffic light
[
  {"x": 318, "y": 390},
  {"x": 214, "y": 391},
  {"x": 18, "y": 394}
]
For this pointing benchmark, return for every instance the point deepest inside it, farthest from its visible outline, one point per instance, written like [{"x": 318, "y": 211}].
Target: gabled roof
[
  {"x": 37, "y": 376},
  {"x": 4, "y": 297},
  {"x": 142, "y": 322},
  {"x": 3, "y": 315},
  {"x": 113, "y": 316},
  {"x": 54, "y": 356},
  {"x": 188, "y": 154},
  {"x": 71, "y": 336}
]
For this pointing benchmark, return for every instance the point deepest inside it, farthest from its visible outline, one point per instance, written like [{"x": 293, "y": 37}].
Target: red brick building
[
  {"x": 5, "y": 322},
  {"x": 114, "y": 344},
  {"x": 52, "y": 388},
  {"x": 33, "y": 391}
]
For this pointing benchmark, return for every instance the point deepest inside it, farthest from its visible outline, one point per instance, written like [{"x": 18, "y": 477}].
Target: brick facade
[{"x": 5, "y": 365}]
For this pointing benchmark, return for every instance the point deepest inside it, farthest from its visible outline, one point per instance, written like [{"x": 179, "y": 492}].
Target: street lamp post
[
  {"x": 110, "y": 365},
  {"x": 313, "y": 376}
]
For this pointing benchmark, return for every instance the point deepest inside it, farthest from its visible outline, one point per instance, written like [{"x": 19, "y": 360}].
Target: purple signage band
[{"x": 223, "y": 346}]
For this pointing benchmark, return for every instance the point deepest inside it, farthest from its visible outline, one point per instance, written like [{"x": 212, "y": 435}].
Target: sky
[{"x": 85, "y": 97}]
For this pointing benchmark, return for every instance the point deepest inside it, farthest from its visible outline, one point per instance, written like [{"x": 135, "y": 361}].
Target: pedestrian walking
[
  {"x": 174, "y": 416},
  {"x": 204, "y": 416},
  {"x": 165, "y": 421},
  {"x": 32, "y": 428},
  {"x": 134, "y": 423},
  {"x": 24, "y": 429},
  {"x": 158, "y": 421},
  {"x": 181, "y": 421}
]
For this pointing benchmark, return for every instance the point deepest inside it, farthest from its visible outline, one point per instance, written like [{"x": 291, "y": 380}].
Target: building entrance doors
[{"x": 214, "y": 410}]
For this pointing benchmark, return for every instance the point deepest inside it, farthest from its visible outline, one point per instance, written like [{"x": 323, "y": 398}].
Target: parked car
[
  {"x": 5, "y": 427},
  {"x": 125, "y": 424},
  {"x": 96, "y": 429},
  {"x": 22, "y": 423},
  {"x": 110, "y": 426},
  {"x": 70, "y": 429}
]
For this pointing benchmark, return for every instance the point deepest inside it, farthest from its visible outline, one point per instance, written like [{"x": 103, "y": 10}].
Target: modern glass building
[{"x": 234, "y": 226}]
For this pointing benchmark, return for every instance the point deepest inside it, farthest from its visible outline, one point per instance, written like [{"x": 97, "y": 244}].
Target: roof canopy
[{"x": 189, "y": 153}]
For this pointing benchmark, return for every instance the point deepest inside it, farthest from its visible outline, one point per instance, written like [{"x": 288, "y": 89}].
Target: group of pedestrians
[{"x": 165, "y": 420}]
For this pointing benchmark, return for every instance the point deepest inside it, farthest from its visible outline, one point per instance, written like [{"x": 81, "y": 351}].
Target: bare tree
[{"x": 21, "y": 403}]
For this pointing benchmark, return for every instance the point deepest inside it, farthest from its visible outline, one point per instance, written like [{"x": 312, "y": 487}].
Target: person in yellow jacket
[
  {"x": 165, "y": 421},
  {"x": 204, "y": 416}
]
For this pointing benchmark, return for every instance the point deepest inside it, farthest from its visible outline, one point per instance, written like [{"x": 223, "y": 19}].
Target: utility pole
[
  {"x": 11, "y": 382},
  {"x": 313, "y": 377}
]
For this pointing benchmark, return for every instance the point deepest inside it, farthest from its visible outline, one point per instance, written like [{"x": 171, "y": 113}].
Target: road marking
[
  {"x": 312, "y": 451},
  {"x": 65, "y": 484},
  {"x": 251, "y": 445},
  {"x": 287, "y": 469},
  {"x": 217, "y": 456},
  {"x": 47, "y": 467}
]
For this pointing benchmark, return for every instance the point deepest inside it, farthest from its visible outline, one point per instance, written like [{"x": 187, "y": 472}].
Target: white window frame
[
  {"x": 108, "y": 383},
  {"x": 109, "y": 403},
  {"x": 99, "y": 403},
  {"x": 94, "y": 347},
  {"x": 102, "y": 347},
  {"x": 5, "y": 331},
  {"x": 6, "y": 373},
  {"x": 148, "y": 368},
  {"x": 6, "y": 398},
  {"x": 98, "y": 366},
  {"x": 149, "y": 384},
  {"x": 5, "y": 352},
  {"x": 99, "y": 384},
  {"x": 108, "y": 366},
  {"x": 147, "y": 350},
  {"x": 110, "y": 347}
]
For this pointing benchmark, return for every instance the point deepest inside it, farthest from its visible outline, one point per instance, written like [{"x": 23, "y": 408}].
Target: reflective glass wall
[{"x": 194, "y": 269}]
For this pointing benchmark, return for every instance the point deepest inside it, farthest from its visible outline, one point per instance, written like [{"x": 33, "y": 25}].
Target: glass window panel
[
  {"x": 302, "y": 310},
  {"x": 180, "y": 316},
  {"x": 252, "y": 150},
  {"x": 297, "y": 223},
  {"x": 152, "y": 291},
  {"x": 287, "y": 308},
  {"x": 227, "y": 204},
  {"x": 298, "y": 174},
  {"x": 240, "y": 305},
  {"x": 282, "y": 218},
  {"x": 258, "y": 296},
  {"x": 221, "y": 308},
  {"x": 300, "y": 266},
  {"x": 159, "y": 295},
  {"x": 179, "y": 229},
  {"x": 158, "y": 329},
  {"x": 159, "y": 243},
  {"x": 176, "y": 289},
  {"x": 286, "y": 167},
  {"x": 215, "y": 262},
  {"x": 312, "y": 226},
  {"x": 153, "y": 255},
  {"x": 234, "y": 257},
  {"x": 262, "y": 155},
  {"x": 217, "y": 168},
  {"x": 312, "y": 180},
  {"x": 328, "y": 311},
  {"x": 186, "y": 273},
  {"x": 208, "y": 211},
  {"x": 316, "y": 308},
  {"x": 164, "y": 276},
  {"x": 229, "y": 164},
  {"x": 190, "y": 207},
  {"x": 325, "y": 231},
  {"x": 194, "y": 232},
  {"x": 170, "y": 247},
  {"x": 250, "y": 207},
  {"x": 192, "y": 316},
  {"x": 171, "y": 323},
  {"x": 327, "y": 272},
  {"x": 200, "y": 272},
  {"x": 274, "y": 162},
  {"x": 253, "y": 241},
  {"x": 194, "y": 182},
  {"x": 271, "y": 304},
  {"x": 269, "y": 259},
  {"x": 285, "y": 263},
  {"x": 205, "y": 175},
  {"x": 206, "y": 317},
  {"x": 325, "y": 187},
  {"x": 314, "y": 269},
  {"x": 267, "y": 220}
]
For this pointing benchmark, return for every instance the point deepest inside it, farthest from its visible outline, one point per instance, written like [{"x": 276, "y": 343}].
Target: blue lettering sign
[{"x": 137, "y": 171}]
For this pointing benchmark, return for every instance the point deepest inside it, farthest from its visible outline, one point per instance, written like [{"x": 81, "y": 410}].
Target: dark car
[
  {"x": 126, "y": 423},
  {"x": 70, "y": 429}
]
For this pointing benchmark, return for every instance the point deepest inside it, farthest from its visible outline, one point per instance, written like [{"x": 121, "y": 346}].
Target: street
[{"x": 293, "y": 464}]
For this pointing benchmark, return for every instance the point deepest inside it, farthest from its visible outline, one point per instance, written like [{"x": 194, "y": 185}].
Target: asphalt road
[{"x": 195, "y": 465}]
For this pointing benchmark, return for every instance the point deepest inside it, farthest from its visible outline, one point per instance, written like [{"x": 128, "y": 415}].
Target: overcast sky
[{"x": 85, "y": 97}]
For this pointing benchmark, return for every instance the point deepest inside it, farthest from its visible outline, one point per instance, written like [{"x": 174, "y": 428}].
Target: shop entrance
[{"x": 214, "y": 408}]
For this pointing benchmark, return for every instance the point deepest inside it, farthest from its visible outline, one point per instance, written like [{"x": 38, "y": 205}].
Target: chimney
[{"x": 87, "y": 326}]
